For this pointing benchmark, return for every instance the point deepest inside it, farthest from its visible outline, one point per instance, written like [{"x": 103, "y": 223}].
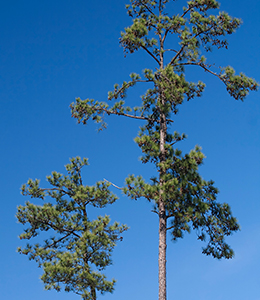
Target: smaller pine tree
[{"x": 79, "y": 249}]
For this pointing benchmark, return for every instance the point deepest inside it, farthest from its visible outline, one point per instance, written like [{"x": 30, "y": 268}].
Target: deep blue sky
[{"x": 54, "y": 51}]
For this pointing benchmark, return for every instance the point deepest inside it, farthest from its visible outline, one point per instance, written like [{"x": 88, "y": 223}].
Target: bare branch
[
  {"x": 169, "y": 228},
  {"x": 177, "y": 54},
  {"x": 113, "y": 184},
  {"x": 186, "y": 11},
  {"x": 150, "y": 53},
  {"x": 171, "y": 50},
  {"x": 203, "y": 66}
]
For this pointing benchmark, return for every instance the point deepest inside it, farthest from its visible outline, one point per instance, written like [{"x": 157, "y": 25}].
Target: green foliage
[
  {"x": 190, "y": 201},
  {"x": 79, "y": 248},
  {"x": 197, "y": 32}
]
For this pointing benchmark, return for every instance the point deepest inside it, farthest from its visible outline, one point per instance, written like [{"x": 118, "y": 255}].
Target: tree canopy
[{"x": 77, "y": 249}]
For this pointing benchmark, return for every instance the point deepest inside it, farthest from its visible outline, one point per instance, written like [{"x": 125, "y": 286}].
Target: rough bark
[
  {"x": 162, "y": 218},
  {"x": 162, "y": 251},
  {"x": 161, "y": 205}
]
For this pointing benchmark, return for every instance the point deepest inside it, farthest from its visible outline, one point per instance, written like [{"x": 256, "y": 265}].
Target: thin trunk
[
  {"x": 161, "y": 205},
  {"x": 162, "y": 251},
  {"x": 162, "y": 218},
  {"x": 92, "y": 287}
]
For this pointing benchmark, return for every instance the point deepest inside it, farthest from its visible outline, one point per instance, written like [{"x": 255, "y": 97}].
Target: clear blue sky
[{"x": 54, "y": 51}]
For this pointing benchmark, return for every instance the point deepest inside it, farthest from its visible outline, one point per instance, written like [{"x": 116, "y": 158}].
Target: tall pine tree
[
  {"x": 79, "y": 249},
  {"x": 183, "y": 200}
]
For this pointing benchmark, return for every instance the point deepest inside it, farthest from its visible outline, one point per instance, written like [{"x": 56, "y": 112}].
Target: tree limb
[
  {"x": 150, "y": 53},
  {"x": 59, "y": 240},
  {"x": 113, "y": 184},
  {"x": 203, "y": 66},
  {"x": 126, "y": 86}
]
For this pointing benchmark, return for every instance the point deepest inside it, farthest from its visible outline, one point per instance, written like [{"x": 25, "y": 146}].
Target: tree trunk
[
  {"x": 161, "y": 205},
  {"x": 162, "y": 212},
  {"x": 162, "y": 251}
]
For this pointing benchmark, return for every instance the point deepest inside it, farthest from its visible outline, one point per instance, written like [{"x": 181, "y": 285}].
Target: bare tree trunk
[
  {"x": 162, "y": 212},
  {"x": 162, "y": 251},
  {"x": 161, "y": 204}
]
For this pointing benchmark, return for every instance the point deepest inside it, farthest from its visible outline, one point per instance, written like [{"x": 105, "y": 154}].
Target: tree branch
[
  {"x": 195, "y": 36},
  {"x": 113, "y": 184},
  {"x": 121, "y": 114},
  {"x": 203, "y": 66},
  {"x": 150, "y": 53},
  {"x": 126, "y": 86},
  {"x": 186, "y": 11},
  {"x": 55, "y": 242},
  {"x": 177, "y": 54},
  {"x": 57, "y": 228},
  {"x": 171, "y": 50},
  {"x": 150, "y": 11},
  {"x": 169, "y": 228}
]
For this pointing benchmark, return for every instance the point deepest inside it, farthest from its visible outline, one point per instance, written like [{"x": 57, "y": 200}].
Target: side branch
[
  {"x": 185, "y": 44},
  {"x": 186, "y": 11},
  {"x": 151, "y": 54},
  {"x": 165, "y": 50},
  {"x": 169, "y": 228},
  {"x": 126, "y": 86},
  {"x": 113, "y": 184},
  {"x": 53, "y": 226},
  {"x": 177, "y": 54},
  {"x": 109, "y": 112},
  {"x": 204, "y": 67},
  {"x": 150, "y": 11},
  {"x": 55, "y": 242}
]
